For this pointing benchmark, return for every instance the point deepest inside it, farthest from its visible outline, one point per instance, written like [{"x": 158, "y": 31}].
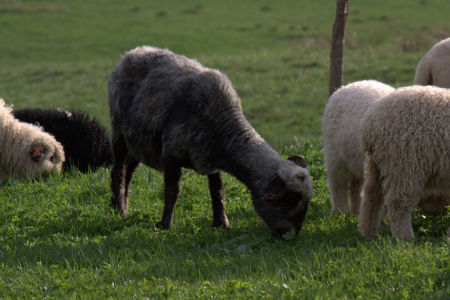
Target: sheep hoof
[
  {"x": 225, "y": 225},
  {"x": 371, "y": 237},
  {"x": 163, "y": 225}
]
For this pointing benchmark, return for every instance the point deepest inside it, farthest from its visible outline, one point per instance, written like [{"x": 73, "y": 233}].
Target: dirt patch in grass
[
  {"x": 309, "y": 41},
  {"x": 420, "y": 40},
  {"x": 193, "y": 10},
  {"x": 19, "y": 7}
]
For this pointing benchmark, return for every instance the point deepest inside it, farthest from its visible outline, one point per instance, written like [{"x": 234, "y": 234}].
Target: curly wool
[
  {"x": 406, "y": 141},
  {"x": 18, "y": 140},
  {"x": 434, "y": 67},
  {"x": 341, "y": 128},
  {"x": 84, "y": 139}
]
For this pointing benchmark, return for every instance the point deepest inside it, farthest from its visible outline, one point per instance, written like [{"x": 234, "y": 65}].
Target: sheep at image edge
[
  {"x": 169, "y": 112},
  {"x": 28, "y": 151},
  {"x": 434, "y": 67},
  {"x": 343, "y": 157},
  {"x": 406, "y": 140},
  {"x": 84, "y": 140}
]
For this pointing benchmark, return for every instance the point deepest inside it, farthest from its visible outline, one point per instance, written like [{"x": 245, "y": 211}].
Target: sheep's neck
[
  {"x": 239, "y": 150},
  {"x": 251, "y": 161}
]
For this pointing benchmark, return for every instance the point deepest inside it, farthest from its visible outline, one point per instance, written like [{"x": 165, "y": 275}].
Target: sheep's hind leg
[
  {"x": 118, "y": 178},
  {"x": 217, "y": 192},
  {"x": 400, "y": 216},
  {"x": 354, "y": 190},
  {"x": 371, "y": 209},
  {"x": 338, "y": 194},
  {"x": 172, "y": 175},
  {"x": 130, "y": 165}
]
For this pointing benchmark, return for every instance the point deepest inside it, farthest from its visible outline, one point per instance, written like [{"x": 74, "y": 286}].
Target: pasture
[{"x": 57, "y": 236}]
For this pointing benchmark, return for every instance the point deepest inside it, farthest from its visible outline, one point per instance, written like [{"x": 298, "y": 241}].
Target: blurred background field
[
  {"x": 57, "y": 239},
  {"x": 60, "y": 53}
]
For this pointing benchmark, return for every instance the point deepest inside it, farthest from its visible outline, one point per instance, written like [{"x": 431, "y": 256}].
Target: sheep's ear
[
  {"x": 275, "y": 189},
  {"x": 298, "y": 160}
]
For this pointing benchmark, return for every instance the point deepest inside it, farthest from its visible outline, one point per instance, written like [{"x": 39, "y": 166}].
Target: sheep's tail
[{"x": 372, "y": 199}]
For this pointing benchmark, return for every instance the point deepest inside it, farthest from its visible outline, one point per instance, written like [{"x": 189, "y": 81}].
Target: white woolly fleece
[
  {"x": 406, "y": 140},
  {"x": 18, "y": 140},
  {"x": 341, "y": 128}
]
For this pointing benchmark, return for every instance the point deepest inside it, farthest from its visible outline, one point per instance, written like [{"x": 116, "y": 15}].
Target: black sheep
[
  {"x": 84, "y": 139},
  {"x": 170, "y": 112}
]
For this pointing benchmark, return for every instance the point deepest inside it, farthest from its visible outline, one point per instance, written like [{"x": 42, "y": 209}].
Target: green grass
[{"x": 57, "y": 236}]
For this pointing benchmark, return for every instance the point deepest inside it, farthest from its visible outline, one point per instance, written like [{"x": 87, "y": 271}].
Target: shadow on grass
[{"x": 91, "y": 241}]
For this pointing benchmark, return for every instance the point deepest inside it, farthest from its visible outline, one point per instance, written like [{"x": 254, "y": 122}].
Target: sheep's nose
[{"x": 37, "y": 155}]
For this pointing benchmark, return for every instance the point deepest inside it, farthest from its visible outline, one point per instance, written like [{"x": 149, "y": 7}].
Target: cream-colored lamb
[
  {"x": 343, "y": 157},
  {"x": 406, "y": 141},
  {"x": 434, "y": 67},
  {"x": 26, "y": 150}
]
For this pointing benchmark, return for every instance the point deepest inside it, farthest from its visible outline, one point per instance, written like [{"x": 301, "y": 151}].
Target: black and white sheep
[
  {"x": 406, "y": 140},
  {"x": 169, "y": 112},
  {"x": 341, "y": 127},
  {"x": 434, "y": 67},
  {"x": 26, "y": 150},
  {"x": 85, "y": 142}
]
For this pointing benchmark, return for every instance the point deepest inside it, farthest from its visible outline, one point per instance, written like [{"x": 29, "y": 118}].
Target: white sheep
[
  {"x": 434, "y": 67},
  {"x": 27, "y": 151},
  {"x": 406, "y": 141},
  {"x": 169, "y": 112},
  {"x": 343, "y": 157}
]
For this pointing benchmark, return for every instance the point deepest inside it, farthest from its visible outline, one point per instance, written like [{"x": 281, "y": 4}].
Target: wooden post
[{"x": 337, "y": 46}]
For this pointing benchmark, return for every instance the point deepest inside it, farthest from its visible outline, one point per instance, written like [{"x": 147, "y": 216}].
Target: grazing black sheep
[
  {"x": 170, "y": 112},
  {"x": 85, "y": 142}
]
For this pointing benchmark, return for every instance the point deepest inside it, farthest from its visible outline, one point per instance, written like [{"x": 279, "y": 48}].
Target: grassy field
[{"x": 57, "y": 237}]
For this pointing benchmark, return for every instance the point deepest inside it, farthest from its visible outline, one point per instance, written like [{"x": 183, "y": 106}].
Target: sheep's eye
[{"x": 301, "y": 177}]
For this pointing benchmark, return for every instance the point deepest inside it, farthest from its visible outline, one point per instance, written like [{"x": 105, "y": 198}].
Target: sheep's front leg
[
  {"x": 217, "y": 192},
  {"x": 172, "y": 175}
]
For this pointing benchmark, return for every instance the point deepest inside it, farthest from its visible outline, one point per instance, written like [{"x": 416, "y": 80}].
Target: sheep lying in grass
[
  {"x": 169, "y": 112},
  {"x": 434, "y": 67},
  {"x": 341, "y": 128},
  {"x": 27, "y": 151},
  {"x": 85, "y": 142},
  {"x": 406, "y": 141}
]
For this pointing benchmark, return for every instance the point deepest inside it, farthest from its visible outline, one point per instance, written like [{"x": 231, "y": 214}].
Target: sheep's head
[
  {"x": 37, "y": 153},
  {"x": 45, "y": 157},
  {"x": 284, "y": 202}
]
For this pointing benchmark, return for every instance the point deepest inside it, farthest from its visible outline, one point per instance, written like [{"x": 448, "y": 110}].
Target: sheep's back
[
  {"x": 85, "y": 142},
  {"x": 342, "y": 118},
  {"x": 434, "y": 67},
  {"x": 408, "y": 132},
  {"x": 161, "y": 101}
]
